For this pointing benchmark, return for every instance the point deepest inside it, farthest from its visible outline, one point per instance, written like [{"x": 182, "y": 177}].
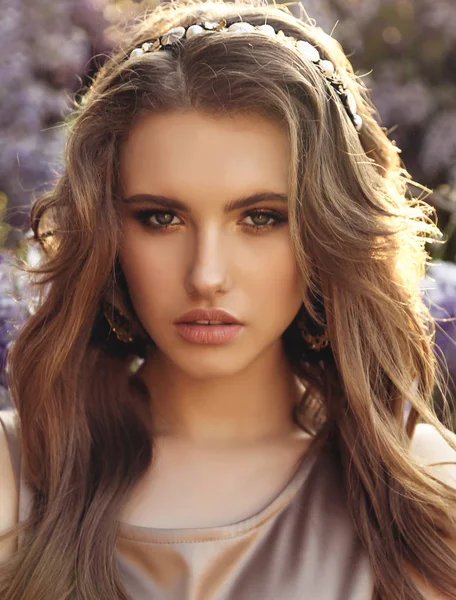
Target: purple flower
[
  {"x": 439, "y": 288},
  {"x": 14, "y": 311}
]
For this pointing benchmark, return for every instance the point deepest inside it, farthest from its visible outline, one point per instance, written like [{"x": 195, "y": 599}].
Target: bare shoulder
[
  {"x": 8, "y": 494},
  {"x": 430, "y": 447}
]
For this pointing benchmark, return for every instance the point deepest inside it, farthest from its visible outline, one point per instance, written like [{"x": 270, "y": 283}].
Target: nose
[{"x": 208, "y": 266}]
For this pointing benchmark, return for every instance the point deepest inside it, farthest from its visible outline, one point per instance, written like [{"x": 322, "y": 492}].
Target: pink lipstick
[{"x": 208, "y": 326}]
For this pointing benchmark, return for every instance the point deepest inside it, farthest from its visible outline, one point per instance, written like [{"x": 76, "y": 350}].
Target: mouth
[
  {"x": 208, "y": 332},
  {"x": 208, "y": 323},
  {"x": 208, "y": 326},
  {"x": 212, "y": 317}
]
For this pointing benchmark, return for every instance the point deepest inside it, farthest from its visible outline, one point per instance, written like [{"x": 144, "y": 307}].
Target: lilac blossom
[
  {"x": 14, "y": 310},
  {"x": 439, "y": 288},
  {"x": 46, "y": 47}
]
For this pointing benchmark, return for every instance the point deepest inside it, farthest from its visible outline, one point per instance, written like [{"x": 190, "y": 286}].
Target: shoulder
[
  {"x": 8, "y": 492},
  {"x": 429, "y": 447}
]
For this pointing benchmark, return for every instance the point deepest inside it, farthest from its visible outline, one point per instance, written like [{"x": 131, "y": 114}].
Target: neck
[{"x": 251, "y": 406}]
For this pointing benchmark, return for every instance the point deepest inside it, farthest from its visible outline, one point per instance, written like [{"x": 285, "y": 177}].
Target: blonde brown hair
[{"x": 359, "y": 241}]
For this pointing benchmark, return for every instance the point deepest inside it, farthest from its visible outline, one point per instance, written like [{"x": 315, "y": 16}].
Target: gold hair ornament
[{"x": 309, "y": 52}]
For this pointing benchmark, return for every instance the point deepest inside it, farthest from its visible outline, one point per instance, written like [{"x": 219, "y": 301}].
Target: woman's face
[{"x": 188, "y": 248}]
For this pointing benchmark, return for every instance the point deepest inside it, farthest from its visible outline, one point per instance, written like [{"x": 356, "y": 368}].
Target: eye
[
  {"x": 157, "y": 219},
  {"x": 264, "y": 219},
  {"x": 260, "y": 219},
  {"x": 164, "y": 218}
]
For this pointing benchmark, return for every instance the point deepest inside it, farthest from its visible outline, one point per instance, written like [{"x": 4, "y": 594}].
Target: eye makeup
[{"x": 163, "y": 219}]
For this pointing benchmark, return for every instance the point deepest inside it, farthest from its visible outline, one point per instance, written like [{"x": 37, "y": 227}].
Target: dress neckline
[{"x": 158, "y": 535}]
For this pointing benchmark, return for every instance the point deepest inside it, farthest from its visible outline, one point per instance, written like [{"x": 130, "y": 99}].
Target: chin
[{"x": 212, "y": 367}]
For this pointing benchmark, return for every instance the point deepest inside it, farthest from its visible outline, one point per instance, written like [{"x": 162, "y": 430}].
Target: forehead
[{"x": 193, "y": 153}]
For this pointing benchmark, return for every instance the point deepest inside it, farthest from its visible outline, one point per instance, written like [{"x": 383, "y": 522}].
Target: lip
[
  {"x": 197, "y": 333},
  {"x": 207, "y": 314},
  {"x": 208, "y": 334}
]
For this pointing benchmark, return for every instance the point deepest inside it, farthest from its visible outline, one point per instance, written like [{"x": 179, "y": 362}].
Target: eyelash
[{"x": 143, "y": 217}]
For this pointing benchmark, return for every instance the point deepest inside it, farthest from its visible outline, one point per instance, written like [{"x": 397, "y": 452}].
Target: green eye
[
  {"x": 164, "y": 218},
  {"x": 261, "y": 218},
  {"x": 155, "y": 219}
]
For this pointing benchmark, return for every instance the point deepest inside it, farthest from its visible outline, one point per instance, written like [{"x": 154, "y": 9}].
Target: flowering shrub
[
  {"x": 439, "y": 286},
  {"x": 46, "y": 46},
  {"x": 407, "y": 51},
  {"x": 14, "y": 310}
]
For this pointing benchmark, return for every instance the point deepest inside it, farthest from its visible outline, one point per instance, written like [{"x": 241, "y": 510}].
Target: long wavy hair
[{"x": 360, "y": 242}]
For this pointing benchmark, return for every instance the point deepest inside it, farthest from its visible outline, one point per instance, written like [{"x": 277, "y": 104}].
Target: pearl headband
[{"x": 326, "y": 67}]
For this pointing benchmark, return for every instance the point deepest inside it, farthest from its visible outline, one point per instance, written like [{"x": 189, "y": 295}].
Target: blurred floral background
[{"x": 405, "y": 50}]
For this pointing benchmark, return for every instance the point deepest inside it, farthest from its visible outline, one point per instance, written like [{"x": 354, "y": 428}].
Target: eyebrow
[{"x": 244, "y": 202}]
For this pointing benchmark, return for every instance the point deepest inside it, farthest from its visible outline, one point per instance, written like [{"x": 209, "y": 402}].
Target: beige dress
[{"x": 301, "y": 546}]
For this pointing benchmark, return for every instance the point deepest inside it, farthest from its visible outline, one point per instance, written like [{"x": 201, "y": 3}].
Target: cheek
[
  {"x": 279, "y": 268},
  {"x": 275, "y": 276},
  {"x": 148, "y": 272}
]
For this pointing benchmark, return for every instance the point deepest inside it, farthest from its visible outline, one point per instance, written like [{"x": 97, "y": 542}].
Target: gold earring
[
  {"x": 118, "y": 322},
  {"x": 316, "y": 342}
]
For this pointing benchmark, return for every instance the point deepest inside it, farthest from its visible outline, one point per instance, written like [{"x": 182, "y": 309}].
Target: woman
[{"x": 234, "y": 222}]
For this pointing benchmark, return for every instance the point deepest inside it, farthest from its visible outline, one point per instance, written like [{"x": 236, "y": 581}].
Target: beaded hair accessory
[{"x": 326, "y": 67}]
